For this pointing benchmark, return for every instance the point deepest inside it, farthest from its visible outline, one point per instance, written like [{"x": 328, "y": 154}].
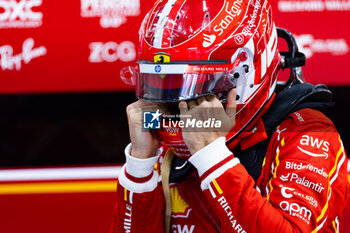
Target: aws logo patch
[
  {"x": 314, "y": 145},
  {"x": 180, "y": 208},
  {"x": 161, "y": 57}
]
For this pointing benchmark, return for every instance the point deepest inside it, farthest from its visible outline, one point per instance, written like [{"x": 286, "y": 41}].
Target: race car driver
[{"x": 268, "y": 160}]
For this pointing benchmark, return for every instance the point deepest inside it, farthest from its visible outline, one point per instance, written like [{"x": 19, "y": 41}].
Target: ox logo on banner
[
  {"x": 20, "y": 14},
  {"x": 112, "y": 13}
]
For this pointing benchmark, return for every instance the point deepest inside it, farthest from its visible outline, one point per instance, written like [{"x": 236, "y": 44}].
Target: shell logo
[{"x": 180, "y": 208}]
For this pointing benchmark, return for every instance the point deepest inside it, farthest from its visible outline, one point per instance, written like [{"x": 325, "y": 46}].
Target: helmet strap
[{"x": 165, "y": 173}]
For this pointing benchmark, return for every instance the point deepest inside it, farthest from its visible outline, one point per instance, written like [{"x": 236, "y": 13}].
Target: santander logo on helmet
[
  {"x": 229, "y": 15},
  {"x": 208, "y": 40},
  {"x": 238, "y": 37},
  {"x": 231, "y": 11}
]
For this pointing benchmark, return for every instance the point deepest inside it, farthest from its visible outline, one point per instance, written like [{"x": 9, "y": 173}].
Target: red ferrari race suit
[{"x": 303, "y": 186}]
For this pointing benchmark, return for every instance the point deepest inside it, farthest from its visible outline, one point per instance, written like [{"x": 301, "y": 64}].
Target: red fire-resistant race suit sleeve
[
  {"x": 140, "y": 201},
  {"x": 303, "y": 186}
]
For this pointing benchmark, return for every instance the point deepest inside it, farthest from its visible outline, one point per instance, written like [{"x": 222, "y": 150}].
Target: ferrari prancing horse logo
[{"x": 161, "y": 57}]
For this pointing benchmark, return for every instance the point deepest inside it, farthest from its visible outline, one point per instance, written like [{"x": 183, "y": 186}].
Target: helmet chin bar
[{"x": 292, "y": 59}]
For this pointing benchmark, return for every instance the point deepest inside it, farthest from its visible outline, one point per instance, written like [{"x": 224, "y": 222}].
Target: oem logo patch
[{"x": 151, "y": 120}]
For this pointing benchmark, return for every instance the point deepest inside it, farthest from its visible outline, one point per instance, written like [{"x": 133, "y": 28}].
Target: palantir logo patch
[{"x": 151, "y": 120}]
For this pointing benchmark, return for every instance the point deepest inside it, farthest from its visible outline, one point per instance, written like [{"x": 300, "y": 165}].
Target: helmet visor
[{"x": 176, "y": 82}]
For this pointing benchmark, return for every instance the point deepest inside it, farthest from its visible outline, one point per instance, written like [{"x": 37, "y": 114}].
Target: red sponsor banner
[
  {"x": 63, "y": 46},
  {"x": 68, "y": 46},
  {"x": 320, "y": 29}
]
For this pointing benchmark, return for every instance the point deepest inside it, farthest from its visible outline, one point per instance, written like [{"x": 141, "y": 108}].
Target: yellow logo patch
[
  {"x": 161, "y": 58},
  {"x": 180, "y": 207}
]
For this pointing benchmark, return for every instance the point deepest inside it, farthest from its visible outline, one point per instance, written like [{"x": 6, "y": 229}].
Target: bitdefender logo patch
[{"x": 151, "y": 120}]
